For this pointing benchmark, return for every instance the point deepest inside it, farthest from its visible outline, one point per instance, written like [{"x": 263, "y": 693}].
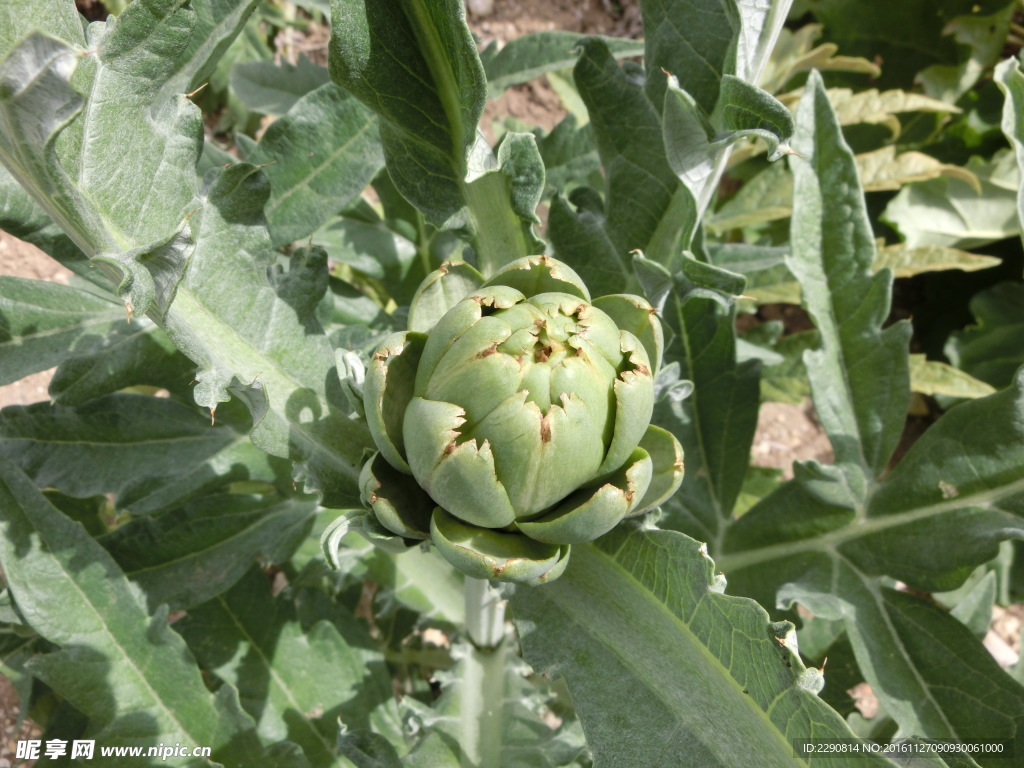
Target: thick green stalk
[
  {"x": 483, "y": 679},
  {"x": 498, "y": 232}
]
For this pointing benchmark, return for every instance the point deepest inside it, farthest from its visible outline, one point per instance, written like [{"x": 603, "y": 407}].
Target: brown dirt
[
  {"x": 788, "y": 433},
  {"x": 12, "y": 731},
  {"x": 19, "y": 259}
]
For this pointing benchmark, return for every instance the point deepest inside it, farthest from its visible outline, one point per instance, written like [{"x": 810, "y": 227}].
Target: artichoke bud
[{"x": 519, "y": 423}]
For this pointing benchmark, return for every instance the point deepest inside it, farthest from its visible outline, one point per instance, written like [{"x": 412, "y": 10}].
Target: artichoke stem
[
  {"x": 498, "y": 231},
  {"x": 483, "y": 702},
  {"x": 485, "y": 615},
  {"x": 483, "y": 679}
]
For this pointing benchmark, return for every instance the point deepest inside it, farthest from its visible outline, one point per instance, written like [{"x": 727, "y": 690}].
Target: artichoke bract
[{"x": 513, "y": 419}]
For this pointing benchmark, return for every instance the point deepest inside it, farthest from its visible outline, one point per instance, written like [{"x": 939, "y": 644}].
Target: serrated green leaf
[
  {"x": 273, "y": 358},
  {"x": 273, "y": 89},
  {"x": 18, "y": 18},
  {"x": 931, "y": 377},
  {"x": 192, "y": 554},
  {"x": 34, "y": 80},
  {"x": 580, "y": 239},
  {"x": 569, "y": 154},
  {"x": 140, "y": 354},
  {"x": 648, "y": 617},
  {"x": 40, "y": 321},
  {"x": 907, "y": 261},
  {"x": 416, "y": 65},
  {"x": 948, "y": 212},
  {"x": 716, "y": 423},
  {"x": 296, "y": 679},
  {"x": 690, "y": 41},
  {"x": 909, "y": 36},
  {"x": 218, "y": 23},
  {"x": 993, "y": 348},
  {"x": 126, "y": 670},
  {"x": 859, "y": 377},
  {"x": 45, "y": 324},
  {"x": 318, "y": 157},
  {"x": 282, "y": 369},
  {"x": 109, "y": 444},
  {"x": 237, "y": 462},
  {"x": 533, "y": 55},
  {"x": 641, "y": 189},
  {"x": 933, "y": 519},
  {"x": 878, "y": 107}
]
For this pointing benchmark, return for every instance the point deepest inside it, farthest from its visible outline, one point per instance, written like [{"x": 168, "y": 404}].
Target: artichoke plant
[{"x": 513, "y": 419}]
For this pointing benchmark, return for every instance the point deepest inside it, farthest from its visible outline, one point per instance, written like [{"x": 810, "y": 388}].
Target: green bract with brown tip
[{"x": 518, "y": 423}]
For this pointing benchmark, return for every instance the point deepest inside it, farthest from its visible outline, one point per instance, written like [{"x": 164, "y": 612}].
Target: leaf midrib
[
  {"x": 274, "y": 203},
  {"x": 258, "y": 365},
  {"x": 113, "y": 639},
  {"x": 272, "y": 672},
  {"x": 640, "y": 663},
  {"x": 864, "y": 527}
]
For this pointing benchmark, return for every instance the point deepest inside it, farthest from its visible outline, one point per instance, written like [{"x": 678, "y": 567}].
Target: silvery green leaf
[
  {"x": 191, "y": 554},
  {"x": 109, "y": 444},
  {"x": 663, "y": 662},
  {"x": 296, "y": 675},
  {"x": 836, "y": 537},
  {"x": 859, "y": 377},
  {"x": 218, "y": 23},
  {"x": 644, "y": 207},
  {"x": 691, "y": 41},
  {"x": 273, "y": 89},
  {"x": 569, "y": 154},
  {"x": 530, "y": 56},
  {"x": 427, "y": 85},
  {"x": 318, "y": 157},
  {"x": 428, "y": 89},
  {"x": 949, "y": 211},
  {"x": 766, "y": 197},
  {"x": 148, "y": 238},
  {"x": 112, "y": 651},
  {"x": 580, "y": 237}
]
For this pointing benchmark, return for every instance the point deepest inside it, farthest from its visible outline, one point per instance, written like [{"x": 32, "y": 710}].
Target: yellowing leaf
[
  {"x": 795, "y": 52},
  {"x": 883, "y": 169},
  {"x": 906, "y": 261},
  {"x": 875, "y": 107},
  {"x": 931, "y": 377}
]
